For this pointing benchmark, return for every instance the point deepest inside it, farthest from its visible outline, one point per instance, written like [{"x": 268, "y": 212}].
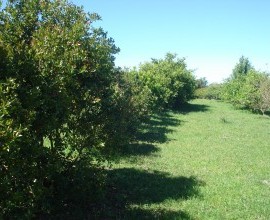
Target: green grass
[{"x": 208, "y": 161}]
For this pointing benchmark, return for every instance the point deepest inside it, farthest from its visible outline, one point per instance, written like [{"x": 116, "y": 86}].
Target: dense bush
[
  {"x": 130, "y": 106},
  {"x": 213, "y": 91},
  {"x": 249, "y": 90},
  {"x": 168, "y": 80},
  {"x": 64, "y": 107},
  {"x": 264, "y": 101},
  {"x": 57, "y": 89}
]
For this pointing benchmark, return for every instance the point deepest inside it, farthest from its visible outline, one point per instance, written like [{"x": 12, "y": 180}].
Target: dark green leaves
[{"x": 56, "y": 83}]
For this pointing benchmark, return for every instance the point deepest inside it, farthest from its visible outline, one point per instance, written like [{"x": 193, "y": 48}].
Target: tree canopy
[
  {"x": 242, "y": 67},
  {"x": 170, "y": 82},
  {"x": 247, "y": 88},
  {"x": 57, "y": 88}
]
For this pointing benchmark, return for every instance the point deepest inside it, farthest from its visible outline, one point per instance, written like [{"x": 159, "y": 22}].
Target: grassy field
[{"x": 208, "y": 161}]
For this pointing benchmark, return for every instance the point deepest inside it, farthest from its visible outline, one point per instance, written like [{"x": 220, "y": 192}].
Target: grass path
[{"x": 209, "y": 161}]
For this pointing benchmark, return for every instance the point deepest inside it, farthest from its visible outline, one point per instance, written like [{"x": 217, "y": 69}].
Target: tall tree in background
[
  {"x": 242, "y": 67},
  {"x": 248, "y": 88},
  {"x": 201, "y": 83}
]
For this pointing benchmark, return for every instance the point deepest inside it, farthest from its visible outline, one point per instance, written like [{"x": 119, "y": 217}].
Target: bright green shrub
[
  {"x": 201, "y": 93},
  {"x": 231, "y": 90},
  {"x": 213, "y": 91},
  {"x": 249, "y": 93},
  {"x": 168, "y": 80},
  {"x": 248, "y": 90},
  {"x": 243, "y": 91}
]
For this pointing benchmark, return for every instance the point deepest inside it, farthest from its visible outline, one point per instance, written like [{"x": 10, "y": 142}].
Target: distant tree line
[
  {"x": 246, "y": 88},
  {"x": 211, "y": 91}
]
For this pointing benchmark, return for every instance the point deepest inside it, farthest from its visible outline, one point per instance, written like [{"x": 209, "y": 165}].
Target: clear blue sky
[{"x": 211, "y": 34}]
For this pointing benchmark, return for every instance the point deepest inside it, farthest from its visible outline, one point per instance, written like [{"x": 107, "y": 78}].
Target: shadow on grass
[
  {"x": 156, "y": 129},
  {"x": 188, "y": 107},
  {"x": 129, "y": 189},
  {"x": 151, "y": 132},
  {"x": 267, "y": 113},
  {"x": 129, "y": 186},
  {"x": 138, "y": 149},
  {"x": 155, "y": 214}
]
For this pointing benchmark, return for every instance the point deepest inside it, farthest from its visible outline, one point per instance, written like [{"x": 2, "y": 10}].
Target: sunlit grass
[{"x": 209, "y": 161}]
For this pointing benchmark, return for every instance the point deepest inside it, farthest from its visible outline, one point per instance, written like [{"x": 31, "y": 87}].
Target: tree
[
  {"x": 168, "y": 80},
  {"x": 242, "y": 67},
  {"x": 201, "y": 83},
  {"x": 57, "y": 87},
  {"x": 250, "y": 91},
  {"x": 264, "y": 101},
  {"x": 213, "y": 91}
]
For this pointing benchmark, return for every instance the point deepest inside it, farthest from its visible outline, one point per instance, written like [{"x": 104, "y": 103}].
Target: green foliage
[
  {"x": 241, "y": 68},
  {"x": 57, "y": 90},
  {"x": 201, "y": 83},
  {"x": 130, "y": 106},
  {"x": 168, "y": 80},
  {"x": 231, "y": 90},
  {"x": 263, "y": 103},
  {"x": 64, "y": 106},
  {"x": 213, "y": 91},
  {"x": 248, "y": 88},
  {"x": 249, "y": 94}
]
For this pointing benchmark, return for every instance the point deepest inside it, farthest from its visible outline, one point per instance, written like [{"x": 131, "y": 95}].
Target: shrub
[
  {"x": 263, "y": 101},
  {"x": 248, "y": 91},
  {"x": 213, "y": 91},
  {"x": 168, "y": 80},
  {"x": 130, "y": 107},
  {"x": 56, "y": 85}
]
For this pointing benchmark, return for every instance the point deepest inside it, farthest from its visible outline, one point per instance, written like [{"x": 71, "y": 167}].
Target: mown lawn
[{"x": 208, "y": 161}]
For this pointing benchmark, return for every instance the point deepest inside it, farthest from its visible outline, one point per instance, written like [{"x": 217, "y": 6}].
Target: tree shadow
[
  {"x": 136, "y": 213},
  {"x": 152, "y": 131},
  {"x": 165, "y": 119},
  {"x": 188, "y": 108},
  {"x": 153, "y": 134},
  {"x": 137, "y": 150},
  {"x": 267, "y": 113},
  {"x": 129, "y": 186},
  {"x": 155, "y": 130}
]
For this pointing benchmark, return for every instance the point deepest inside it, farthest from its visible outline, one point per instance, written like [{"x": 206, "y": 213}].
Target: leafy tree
[
  {"x": 232, "y": 90},
  {"x": 249, "y": 91},
  {"x": 57, "y": 90},
  {"x": 169, "y": 81},
  {"x": 201, "y": 83},
  {"x": 242, "y": 67},
  {"x": 131, "y": 106},
  {"x": 213, "y": 91},
  {"x": 263, "y": 103}
]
